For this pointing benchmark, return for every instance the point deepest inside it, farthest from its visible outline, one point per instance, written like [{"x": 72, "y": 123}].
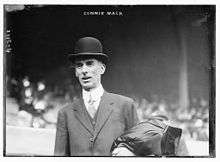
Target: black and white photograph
[{"x": 109, "y": 80}]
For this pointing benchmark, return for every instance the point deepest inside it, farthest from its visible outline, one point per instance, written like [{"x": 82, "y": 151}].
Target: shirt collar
[{"x": 96, "y": 93}]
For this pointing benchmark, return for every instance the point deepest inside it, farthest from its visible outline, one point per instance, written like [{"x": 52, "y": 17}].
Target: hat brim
[{"x": 80, "y": 56}]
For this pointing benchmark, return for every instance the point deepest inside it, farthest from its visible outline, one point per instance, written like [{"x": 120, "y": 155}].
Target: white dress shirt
[{"x": 96, "y": 95}]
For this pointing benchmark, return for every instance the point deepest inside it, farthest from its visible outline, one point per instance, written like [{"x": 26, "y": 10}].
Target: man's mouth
[{"x": 86, "y": 78}]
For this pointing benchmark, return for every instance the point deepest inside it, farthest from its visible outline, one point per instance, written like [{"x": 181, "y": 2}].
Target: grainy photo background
[{"x": 162, "y": 56}]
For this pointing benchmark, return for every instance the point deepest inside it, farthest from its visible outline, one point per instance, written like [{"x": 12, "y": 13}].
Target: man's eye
[
  {"x": 89, "y": 63},
  {"x": 78, "y": 65}
]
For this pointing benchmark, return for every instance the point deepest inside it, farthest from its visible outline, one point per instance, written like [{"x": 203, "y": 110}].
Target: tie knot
[{"x": 91, "y": 100}]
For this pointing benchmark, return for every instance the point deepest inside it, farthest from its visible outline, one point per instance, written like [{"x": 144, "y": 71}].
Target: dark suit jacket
[{"x": 76, "y": 135}]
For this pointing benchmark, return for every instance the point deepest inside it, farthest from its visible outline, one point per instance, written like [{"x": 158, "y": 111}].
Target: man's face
[{"x": 89, "y": 73}]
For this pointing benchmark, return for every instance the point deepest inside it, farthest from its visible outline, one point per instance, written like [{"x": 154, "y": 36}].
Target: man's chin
[{"x": 87, "y": 86}]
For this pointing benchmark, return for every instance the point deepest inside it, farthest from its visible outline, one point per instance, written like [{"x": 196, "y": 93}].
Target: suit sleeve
[
  {"x": 131, "y": 118},
  {"x": 62, "y": 140}
]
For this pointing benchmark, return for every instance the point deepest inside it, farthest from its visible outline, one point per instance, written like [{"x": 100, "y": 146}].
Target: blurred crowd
[
  {"x": 36, "y": 105},
  {"x": 194, "y": 120}
]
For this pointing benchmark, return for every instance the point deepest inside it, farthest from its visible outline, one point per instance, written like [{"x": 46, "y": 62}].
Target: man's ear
[
  {"x": 103, "y": 67},
  {"x": 76, "y": 74}
]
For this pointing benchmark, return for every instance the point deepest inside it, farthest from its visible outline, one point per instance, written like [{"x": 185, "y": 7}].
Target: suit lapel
[
  {"x": 81, "y": 115},
  {"x": 105, "y": 110}
]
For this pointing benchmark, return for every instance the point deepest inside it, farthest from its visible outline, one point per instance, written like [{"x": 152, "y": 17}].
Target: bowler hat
[{"x": 88, "y": 47}]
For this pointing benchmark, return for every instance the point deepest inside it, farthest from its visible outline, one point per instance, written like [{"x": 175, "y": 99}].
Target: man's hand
[{"x": 122, "y": 151}]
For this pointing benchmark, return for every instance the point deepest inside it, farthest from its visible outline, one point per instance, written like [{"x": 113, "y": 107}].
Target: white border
[
  {"x": 128, "y": 2},
  {"x": 125, "y": 2}
]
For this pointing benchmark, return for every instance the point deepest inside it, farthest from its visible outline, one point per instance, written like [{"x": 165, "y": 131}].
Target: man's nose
[{"x": 84, "y": 68}]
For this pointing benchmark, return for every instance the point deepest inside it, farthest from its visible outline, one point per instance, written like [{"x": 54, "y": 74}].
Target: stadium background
[{"x": 161, "y": 56}]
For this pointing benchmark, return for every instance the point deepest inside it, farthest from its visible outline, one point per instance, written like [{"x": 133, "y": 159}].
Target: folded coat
[{"x": 151, "y": 137}]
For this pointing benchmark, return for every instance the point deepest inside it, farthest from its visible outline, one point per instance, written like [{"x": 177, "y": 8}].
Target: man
[{"x": 89, "y": 125}]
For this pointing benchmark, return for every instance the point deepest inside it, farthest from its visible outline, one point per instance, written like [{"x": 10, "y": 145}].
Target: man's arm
[
  {"x": 131, "y": 117},
  {"x": 62, "y": 140}
]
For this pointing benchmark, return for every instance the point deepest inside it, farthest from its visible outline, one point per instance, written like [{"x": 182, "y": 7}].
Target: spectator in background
[{"x": 89, "y": 125}]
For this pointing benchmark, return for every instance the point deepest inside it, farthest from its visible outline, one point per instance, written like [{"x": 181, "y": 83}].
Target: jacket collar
[{"x": 105, "y": 110}]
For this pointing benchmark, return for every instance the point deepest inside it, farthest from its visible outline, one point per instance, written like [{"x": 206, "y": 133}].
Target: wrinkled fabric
[{"x": 152, "y": 137}]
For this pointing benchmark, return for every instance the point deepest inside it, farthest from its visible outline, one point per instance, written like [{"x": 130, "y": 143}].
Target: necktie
[{"x": 91, "y": 107}]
